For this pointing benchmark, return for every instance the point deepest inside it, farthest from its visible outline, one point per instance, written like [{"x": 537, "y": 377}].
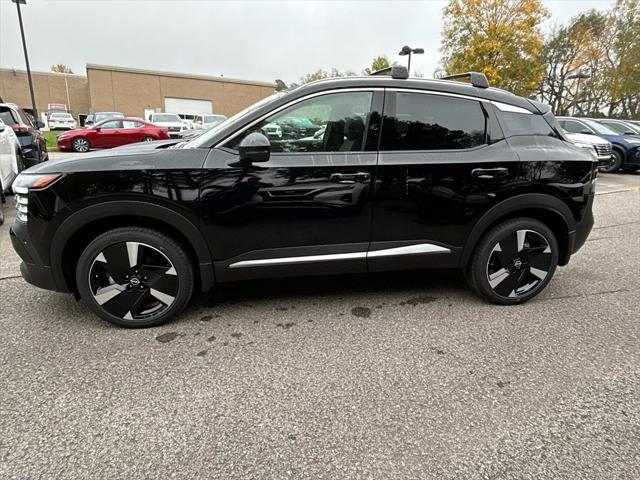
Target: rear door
[
  {"x": 443, "y": 163},
  {"x": 131, "y": 132},
  {"x": 308, "y": 209}
]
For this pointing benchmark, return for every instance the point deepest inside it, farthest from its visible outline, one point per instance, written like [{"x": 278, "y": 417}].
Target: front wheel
[
  {"x": 614, "y": 164},
  {"x": 514, "y": 261},
  {"x": 80, "y": 144},
  {"x": 135, "y": 277}
]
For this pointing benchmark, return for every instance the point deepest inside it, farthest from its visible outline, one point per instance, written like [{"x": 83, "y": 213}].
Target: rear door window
[{"x": 422, "y": 121}]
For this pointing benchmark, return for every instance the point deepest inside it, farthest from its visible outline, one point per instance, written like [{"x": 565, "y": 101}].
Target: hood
[
  {"x": 584, "y": 138},
  {"x": 140, "y": 156}
]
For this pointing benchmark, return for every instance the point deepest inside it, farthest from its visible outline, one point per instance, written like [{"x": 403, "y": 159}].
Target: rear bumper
[{"x": 33, "y": 270}]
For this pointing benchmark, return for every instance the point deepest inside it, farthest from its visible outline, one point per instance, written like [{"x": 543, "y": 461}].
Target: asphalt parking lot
[{"x": 383, "y": 377}]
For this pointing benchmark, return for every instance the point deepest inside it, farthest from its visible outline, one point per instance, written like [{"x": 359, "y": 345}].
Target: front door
[
  {"x": 443, "y": 163},
  {"x": 308, "y": 209},
  {"x": 106, "y": 134}
]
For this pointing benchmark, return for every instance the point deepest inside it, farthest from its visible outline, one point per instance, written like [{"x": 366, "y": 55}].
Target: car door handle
[
  {"x": 490, "y": 173},
  {"x": 350, "y": 177}
]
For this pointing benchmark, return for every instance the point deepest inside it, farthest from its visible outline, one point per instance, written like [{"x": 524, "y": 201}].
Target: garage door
[{"x": 187, "y": 106}]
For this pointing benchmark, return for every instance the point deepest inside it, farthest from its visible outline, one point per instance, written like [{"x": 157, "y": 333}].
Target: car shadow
[{"x": 339, "y": 286}]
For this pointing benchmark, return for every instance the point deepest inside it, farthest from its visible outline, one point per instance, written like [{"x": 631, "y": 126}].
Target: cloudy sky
[{"x": 258, "y": 40}]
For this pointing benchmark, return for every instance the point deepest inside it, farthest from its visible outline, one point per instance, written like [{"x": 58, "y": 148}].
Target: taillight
[{"x": 20, "y": 128}]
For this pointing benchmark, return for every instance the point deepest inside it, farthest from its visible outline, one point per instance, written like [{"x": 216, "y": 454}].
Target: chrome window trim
[
  {"x": 386, "y": 252},
  {"x": 294, "y": 102},
  {"x": 434, "y": 92},
  {"x": 505, "y": 107}
]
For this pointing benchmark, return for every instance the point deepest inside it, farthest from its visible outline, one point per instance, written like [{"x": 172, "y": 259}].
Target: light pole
[
  {"x": 26, "y": 58},
  {"x": 407, "y": 50},
  {"x": 577, "y": 76}
]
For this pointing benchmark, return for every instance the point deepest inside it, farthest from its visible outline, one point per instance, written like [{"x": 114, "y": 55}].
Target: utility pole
[{"x": 26, "y": 58}]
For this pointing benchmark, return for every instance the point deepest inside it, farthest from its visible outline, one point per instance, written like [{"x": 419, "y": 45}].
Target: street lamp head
[
  {"x": 21, "y": 2},
  {"x": 579, "y": 75},
  {"x": 406, "y": 50},
  {"x": 418, "y": 51}
]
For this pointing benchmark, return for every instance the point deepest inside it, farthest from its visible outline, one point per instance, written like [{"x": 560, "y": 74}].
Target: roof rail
[
  {"x": 397, "y": 71},
  {"x": 476, "y": 79}
]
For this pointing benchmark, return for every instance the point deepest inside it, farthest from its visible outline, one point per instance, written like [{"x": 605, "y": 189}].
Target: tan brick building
[{"x": 132, "y": 91}]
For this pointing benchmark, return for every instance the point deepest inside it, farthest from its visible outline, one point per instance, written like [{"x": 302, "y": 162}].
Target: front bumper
[{"x": 32, "y": 268}]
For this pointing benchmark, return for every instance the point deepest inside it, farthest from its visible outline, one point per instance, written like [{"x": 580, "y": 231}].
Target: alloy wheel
[
  {"x": 519, "y": 263},
  {"x": 133, "y": 281},
  {"x": 81, "y": 145},
  {"x": 148, "y": 139}
]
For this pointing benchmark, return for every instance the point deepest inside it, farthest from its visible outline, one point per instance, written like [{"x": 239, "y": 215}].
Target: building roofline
[
  {"x": 36, "y": 72},
  {"x": 164, "y": 73}
]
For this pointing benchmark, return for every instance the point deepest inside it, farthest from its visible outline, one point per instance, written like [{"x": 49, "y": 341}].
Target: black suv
[{"x": 410, "y": 174}]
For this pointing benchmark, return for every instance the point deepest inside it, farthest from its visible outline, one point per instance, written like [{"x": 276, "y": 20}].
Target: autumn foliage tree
[
  {"x": 501, "y": 38},
  {"x": 60, "y": 68}
]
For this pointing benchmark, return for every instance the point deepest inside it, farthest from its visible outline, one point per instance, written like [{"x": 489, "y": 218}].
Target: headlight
[{"x": 30, "y": 181}]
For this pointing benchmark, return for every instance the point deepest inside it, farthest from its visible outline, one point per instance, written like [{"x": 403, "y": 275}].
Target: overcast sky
[{"x": 259, "y": 40}]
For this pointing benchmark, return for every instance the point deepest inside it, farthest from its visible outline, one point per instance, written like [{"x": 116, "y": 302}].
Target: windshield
[
  {"x": 599, "y": 128},
  {"x": 166, "y": 117},
  {"x": 60, "y": 115},
  {"x": 206, "y": 136}
]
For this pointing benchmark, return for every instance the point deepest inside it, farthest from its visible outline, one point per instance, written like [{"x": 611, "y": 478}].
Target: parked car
[
  {"x": 100, "y": 116},
  {"x": 10, "y": 162},
  {"x": 626, "y": 149},
  {"x": 621, "y": 127},
  {"x": 272, "y": 131},
  {"x": 171, "y": 121},
  {"x": 32, "y": 142},
  {"x": 443, "y": 174},
  {"x": 110, "y": 133},
  {"x": 297, "y": 127},
  {"x": 599, "y": 146},
  {"x": 61, "y": 121},
  {"x": 208, "y": 120}
]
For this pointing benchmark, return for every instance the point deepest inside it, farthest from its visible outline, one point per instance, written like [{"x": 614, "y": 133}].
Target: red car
[{"x": 109, "y": 133}]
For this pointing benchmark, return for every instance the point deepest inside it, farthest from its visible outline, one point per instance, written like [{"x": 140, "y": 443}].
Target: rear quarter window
[{"x": 520, "y": 124}]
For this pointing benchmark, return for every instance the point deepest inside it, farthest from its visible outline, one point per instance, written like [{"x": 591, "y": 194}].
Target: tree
[
  {"x": 378, "y": 63},
  {"x": 501, "y": 38},
  {"x": 60, "y": 68},
  {"x": 280, "y": 85},
  {"x": 569, "y": 50}
]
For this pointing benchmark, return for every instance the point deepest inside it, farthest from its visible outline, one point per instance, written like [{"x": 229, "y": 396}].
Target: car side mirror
[
  {"x": 97, "y": 129},
  {"x": 255, "y": 148},
  {"x": 39, "y": 124},
  {"x": 586, "y": 131},
  {"x": 629, "y": 132}
]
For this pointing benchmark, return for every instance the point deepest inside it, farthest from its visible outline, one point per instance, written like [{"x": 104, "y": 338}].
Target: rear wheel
[
  {"x": 514, "y": 261},
  {"x": 148, "y": 139},
  {"x": 80, "y": 144},
  {"x": 614, "y": 164},
  {"x": 135, "y": 277}
]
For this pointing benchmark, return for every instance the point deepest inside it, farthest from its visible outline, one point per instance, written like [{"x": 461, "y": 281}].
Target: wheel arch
[
  {"x": 622, "y": 151},
  {"x": 550, "y": 210},
  {"x": 74, "y": 234}
]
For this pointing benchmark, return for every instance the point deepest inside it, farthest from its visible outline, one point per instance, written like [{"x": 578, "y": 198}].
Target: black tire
[
  {"x": 615, "y": 164},
  {"x": 509, "y": 266},
  {"x": 81, "y": 145},
  {"x": 123, "y": 294},
  {"x": 20, "y": 161},
  {"x": 148, "y": 139}
]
